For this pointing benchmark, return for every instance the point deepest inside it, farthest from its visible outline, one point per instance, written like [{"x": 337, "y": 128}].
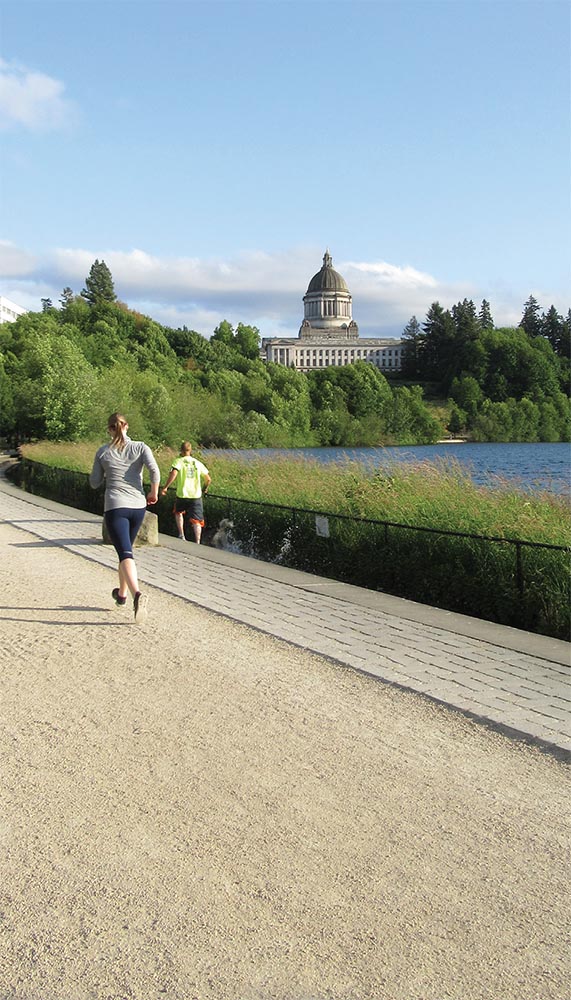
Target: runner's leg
[{"x": 123, "y": 526}]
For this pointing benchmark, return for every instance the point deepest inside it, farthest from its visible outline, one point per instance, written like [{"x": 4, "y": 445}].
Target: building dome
[
  {"x": 327, "y": 279},
  {"x": 327, "y": 306}
]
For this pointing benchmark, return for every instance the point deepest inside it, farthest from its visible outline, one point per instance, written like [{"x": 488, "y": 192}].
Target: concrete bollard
[{"x": 148, "y": 535}]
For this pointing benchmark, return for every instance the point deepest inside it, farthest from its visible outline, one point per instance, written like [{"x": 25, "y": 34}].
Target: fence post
[{"x": 519, "y": 568}]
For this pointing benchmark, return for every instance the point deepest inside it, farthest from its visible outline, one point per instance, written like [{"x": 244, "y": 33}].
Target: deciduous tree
[{"x": 247, "y": 341}]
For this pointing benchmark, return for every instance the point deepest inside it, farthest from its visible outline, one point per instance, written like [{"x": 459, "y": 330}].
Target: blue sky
[{"x": 211, "y": 152}]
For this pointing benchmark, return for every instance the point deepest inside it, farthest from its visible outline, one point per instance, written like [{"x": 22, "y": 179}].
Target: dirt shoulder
[{"x": 194, "y": 811}]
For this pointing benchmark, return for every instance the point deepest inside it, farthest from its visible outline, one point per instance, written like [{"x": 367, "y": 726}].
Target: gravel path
[{"x": 191, "y": 810}]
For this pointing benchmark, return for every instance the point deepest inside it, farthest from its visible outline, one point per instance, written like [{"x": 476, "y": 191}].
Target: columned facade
[
  {"x": 328, "y": 334},
  {"x": 327, "y": 306}
]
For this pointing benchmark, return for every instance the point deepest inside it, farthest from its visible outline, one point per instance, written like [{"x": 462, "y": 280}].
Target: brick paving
[{"x": 502, "y": 676}]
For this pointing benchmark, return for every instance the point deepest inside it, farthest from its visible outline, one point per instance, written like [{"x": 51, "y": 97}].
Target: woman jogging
[{"x": 119, "y": 465}]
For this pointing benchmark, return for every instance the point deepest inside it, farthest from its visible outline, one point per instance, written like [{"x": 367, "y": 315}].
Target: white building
[
  {"x": 328, "y": 334},
  {"x": 9, "y": 311}
]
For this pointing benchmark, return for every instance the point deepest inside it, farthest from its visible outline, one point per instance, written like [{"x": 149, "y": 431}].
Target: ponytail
[{"x": 117, "y": 425}]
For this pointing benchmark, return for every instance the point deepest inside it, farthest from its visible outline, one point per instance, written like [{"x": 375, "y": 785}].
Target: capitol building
[{"x": 328, "y": 334}]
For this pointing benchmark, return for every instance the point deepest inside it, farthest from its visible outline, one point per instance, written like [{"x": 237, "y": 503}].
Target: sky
[{"x": 211, "y": 152}]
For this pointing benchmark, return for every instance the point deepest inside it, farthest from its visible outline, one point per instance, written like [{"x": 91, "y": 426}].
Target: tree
[
  {"x": 66, "y": 297},
  {"x": 538, "y": 371},
  {"x": 247, "y": 341},
  {"x": 290, "y": 401},
  {"x": 188, "y": 344},
  {"x": 553, "y": 327},
  {"x": 464, "y": 315},
  {"x": 408, "y": 419},
  {"x": 411, "y": 341},
  {"x": 330, "y": 419},
  {"x": 365, "y": 388},
  {"x": 99, "y": 284},
  {"x": 467, "y": 394},
  {"x": 436, "y": 348},
  {"x": 457, "y": 420},
  {"x": 565, "y": 347},
  {"x": 525, "y": 420},
  {"x": 224, "y": 333},
  {"x": 257, "y": 394},
  {"x": 6, "y": 400},
  {"x": 485, "y": 316},
  {"x": 46, "y": 305},
  {"x": 531, "y": 320},
  {"x": 227, "y": 384},
  {"x": 53, "y": 386},
  {"x": 469, "y": 355},
  {"x": 503, "y": 346},
  {"x": 493, "y": 422}
]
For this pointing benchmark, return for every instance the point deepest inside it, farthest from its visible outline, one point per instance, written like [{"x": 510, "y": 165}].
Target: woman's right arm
[{"x": 97, "y": 475}]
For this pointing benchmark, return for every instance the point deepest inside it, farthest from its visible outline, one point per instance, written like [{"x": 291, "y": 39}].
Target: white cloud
[
  {"x": 254, "y": 287},
  {"x": 32, "y": 99},
  {"x": 15, "y": 262},
  {"x": 388, "y": 275},
  {"x": 247, "y": 272}
]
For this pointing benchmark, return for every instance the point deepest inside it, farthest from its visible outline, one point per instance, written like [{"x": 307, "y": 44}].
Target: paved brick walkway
[{"x": 512, "y": 679}]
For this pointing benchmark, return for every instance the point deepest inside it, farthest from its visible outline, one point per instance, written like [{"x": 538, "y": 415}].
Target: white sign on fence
[{"x": 321, "y": 526}]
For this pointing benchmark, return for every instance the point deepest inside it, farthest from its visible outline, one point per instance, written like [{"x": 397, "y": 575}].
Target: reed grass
[{"x": 439, "y": 495}]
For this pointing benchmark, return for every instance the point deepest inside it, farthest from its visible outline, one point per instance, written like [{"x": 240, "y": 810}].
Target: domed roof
[{"x": 327, "y": 279}]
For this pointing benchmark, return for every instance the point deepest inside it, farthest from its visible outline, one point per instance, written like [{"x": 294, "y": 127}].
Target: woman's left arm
[{"x": 155, "y": 474}]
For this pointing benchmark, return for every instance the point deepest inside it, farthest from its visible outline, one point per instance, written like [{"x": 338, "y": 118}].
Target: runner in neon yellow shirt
[{"x": 192, "y": 480}]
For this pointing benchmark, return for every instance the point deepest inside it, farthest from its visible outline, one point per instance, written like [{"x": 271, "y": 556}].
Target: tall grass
[{"x": 437, "y": 496}]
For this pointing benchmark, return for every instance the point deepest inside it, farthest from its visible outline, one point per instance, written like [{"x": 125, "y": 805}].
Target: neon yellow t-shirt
[{"x": 189, "y": 478}]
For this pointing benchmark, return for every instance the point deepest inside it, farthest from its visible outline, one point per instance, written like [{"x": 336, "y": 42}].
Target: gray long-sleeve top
[{"x": 122, "y": 473}]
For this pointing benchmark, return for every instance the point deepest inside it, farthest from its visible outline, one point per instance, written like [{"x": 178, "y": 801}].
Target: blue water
[{"x": 518, "y": 466}]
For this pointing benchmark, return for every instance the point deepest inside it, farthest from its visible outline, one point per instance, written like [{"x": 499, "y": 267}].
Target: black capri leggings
[{"x": 123, "y": 525}]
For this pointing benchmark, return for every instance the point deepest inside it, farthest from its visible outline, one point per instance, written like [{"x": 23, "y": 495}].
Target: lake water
[{"x": 520, "y": 466}]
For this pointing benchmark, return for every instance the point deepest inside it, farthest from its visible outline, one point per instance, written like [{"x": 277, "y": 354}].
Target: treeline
[
  {"x": 64, "y": 369},
  {"x": 507, "y": 384}
]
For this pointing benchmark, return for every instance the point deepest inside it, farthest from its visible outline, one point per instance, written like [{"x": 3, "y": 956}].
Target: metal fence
[
  {"x": 517, "y": 582},
  {"x": 323, "y": 520}
]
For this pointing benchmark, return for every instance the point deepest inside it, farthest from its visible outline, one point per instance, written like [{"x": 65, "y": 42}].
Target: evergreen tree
[
  {"x": 436, "y": 348},
  {"x": 552, "y": 327},
  {"x": 466, "y": 322},
  {"x": 99, "y": 284},
  {"x": 531, "y": 320},
  {"x": 411, "y": 342},
  {"x": 485, "y": 316},
  {"x": 46, "y": 304},
  {"x": 464, "y": 314},
  {"x": 469, "y": 355},
  {"x": 66, "y": 297},
  {"x": 565, "y": 347}
]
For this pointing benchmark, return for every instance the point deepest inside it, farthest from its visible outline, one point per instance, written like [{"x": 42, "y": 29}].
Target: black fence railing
[
  {"x": 516, "y": 582},
  {"x": 518, "y": 543}
]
